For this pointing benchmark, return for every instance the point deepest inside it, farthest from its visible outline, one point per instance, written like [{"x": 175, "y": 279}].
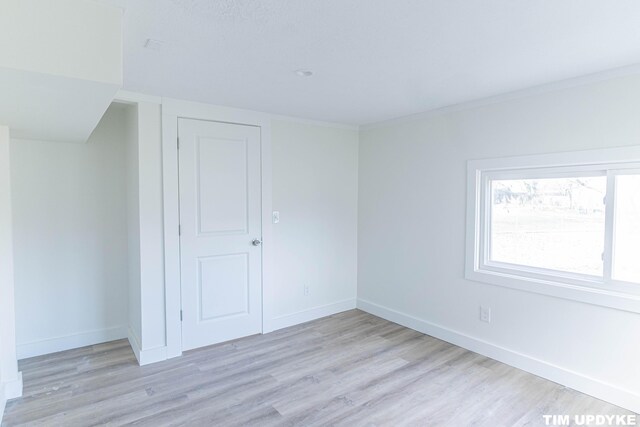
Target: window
[
  {"x": 548, "y": 223},
  {"x": 565, "y": 225},
  {"x": 626, "y": 248}
]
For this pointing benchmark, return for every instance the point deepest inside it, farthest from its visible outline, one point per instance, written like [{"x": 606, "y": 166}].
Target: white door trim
[{"x": 172, "y": 109}]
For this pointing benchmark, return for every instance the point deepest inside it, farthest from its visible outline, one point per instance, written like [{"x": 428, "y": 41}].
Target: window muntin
[{"x": 555, "y": 224}]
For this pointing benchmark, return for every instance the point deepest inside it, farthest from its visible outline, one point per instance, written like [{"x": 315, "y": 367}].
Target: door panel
[
  {"x": 223, "y": 286},
  {"x": 222, "y": 185},
  {"x": 220, "y": 194}
]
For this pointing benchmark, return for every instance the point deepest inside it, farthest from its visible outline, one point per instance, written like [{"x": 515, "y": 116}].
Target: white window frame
[{"x": 597, "y": 290}]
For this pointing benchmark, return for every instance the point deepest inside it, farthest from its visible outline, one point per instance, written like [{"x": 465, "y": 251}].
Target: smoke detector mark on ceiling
[{"x": 154, "y": 44}]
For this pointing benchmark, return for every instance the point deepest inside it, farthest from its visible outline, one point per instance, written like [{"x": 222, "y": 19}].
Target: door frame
[{"x": 172, "y": 110}]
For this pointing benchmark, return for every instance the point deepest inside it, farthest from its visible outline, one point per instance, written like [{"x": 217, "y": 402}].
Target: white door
[{"x": 220, "y": 251}]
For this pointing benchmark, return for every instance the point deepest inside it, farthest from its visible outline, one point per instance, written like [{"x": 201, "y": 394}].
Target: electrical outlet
[
  {"x": 276, "y": 217},
  {"x": 485, "y": 314},
  {"x": 306, "y": 290}
]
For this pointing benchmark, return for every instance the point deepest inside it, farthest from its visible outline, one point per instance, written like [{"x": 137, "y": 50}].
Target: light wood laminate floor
[{"x": 350, "y": 369}]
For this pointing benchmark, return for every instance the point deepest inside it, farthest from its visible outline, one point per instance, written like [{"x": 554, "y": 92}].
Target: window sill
[{"x": 590, "y": 295}]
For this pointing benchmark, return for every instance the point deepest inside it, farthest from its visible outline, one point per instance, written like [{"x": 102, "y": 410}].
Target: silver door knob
[{"x": 256, "y": 242}]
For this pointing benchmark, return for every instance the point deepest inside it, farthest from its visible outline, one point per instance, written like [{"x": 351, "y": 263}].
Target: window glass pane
[
  {"x": 626, "y": 248},
  {"x": 552, "y": 223}
]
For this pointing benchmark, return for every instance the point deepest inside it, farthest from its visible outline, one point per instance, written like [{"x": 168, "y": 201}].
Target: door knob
[{"x": 256, "y": 242}]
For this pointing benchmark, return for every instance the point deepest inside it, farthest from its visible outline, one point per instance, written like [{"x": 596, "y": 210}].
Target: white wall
[
  {"x": 61, "y": 65},
  {"x": 10, "y": 379},
  {"x": 309, "y": 174},
  {"x": 315, "y": 189},
  {"x": 133, "y": 224},
  {"x": 411, "y": 235},
  {"x": 71, "y": 38},
  {"x": 70, "y": 234}
]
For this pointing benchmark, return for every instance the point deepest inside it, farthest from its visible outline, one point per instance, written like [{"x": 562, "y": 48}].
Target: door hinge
[
  {"x": 178, "y": 143},
  {"x": 181, "y": 315},
  {"x": 179, "y": 230}
]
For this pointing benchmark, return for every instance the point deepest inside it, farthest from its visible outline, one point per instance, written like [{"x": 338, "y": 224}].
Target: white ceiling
[{"x": 372, "y": 59}]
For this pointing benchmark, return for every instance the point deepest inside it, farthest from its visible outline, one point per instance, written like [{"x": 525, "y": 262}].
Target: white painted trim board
[
  {"x": 3, "y": 402},
  {"x": 172, "y": 109},
  {"x": 9, "y": 390},
  {"x": 313, "y": 313},
  {"x": 134, "y": 342},
  {"x": 68, "y": 342}
]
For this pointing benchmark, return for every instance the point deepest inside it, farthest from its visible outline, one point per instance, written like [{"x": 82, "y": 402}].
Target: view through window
[{"x": 553, "y": 223}]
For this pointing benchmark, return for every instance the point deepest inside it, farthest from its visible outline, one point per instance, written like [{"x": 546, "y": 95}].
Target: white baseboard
[
  {"x": 147, "y": 356},
  {"x": 577, "y": 381},
  {"x": 152, "y": 355},
  {"x": 68, "y": 342},
  {"x": 9, "y": 390},
  {"x": 310, "y": 314},
  {"x": 3, "y": 402},
  {"x": 134, "y": 342},
  {"x": 13, "y": 389}
]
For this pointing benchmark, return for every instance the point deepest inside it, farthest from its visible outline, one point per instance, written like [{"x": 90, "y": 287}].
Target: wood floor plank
[{"x": 350, "y": 369}]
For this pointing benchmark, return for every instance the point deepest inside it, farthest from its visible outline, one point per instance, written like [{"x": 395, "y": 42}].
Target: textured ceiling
[{"x": 372, "y": 59}]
